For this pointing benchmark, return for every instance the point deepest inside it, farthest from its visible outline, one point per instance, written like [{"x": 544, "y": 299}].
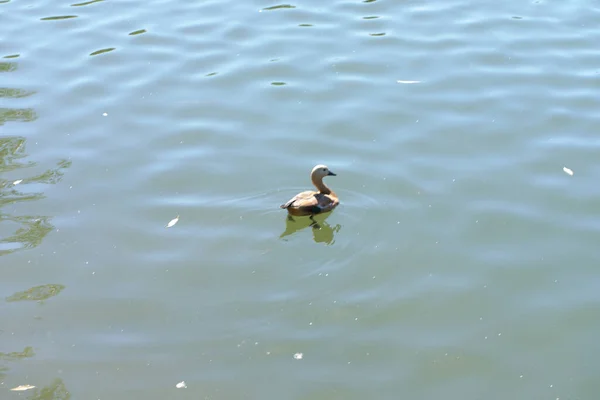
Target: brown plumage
[{"x": 311, "y": 203}]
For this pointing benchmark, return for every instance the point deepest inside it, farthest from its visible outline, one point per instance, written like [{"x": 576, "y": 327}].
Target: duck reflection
[{"x": 321, "y": 230}]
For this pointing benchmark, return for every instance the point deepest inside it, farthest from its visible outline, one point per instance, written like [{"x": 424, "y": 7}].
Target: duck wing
[{"x": 304, "y": 199}]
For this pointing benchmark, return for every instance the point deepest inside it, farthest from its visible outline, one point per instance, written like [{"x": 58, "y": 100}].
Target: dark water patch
[
  {"x": 102, "y": 51},
  {"x": 138, "y": 32},
  {"x": 372, "y": 17},
  {"x": 59, "y": 17},
  {"x": 15, "y": 93},
  {"x": 12, "y": 56},
  {"x": 278, "y": 7},
  {"x": 278, "y": 83},
  {"x": 18, "y": 355},
  {"x": 86, "y": 3},
  {"x": 37, "y": 293},
  {"x": 29, "y": 229},
  {"x": 17, "y": 114},
  {"x": 8, "y": 66},
  {"x": 377, "y": 34},
  {"x": 212, "y": 74},
  {"x": 306, "y": 25}
]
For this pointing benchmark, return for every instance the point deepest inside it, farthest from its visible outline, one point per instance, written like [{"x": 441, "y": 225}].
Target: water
[{"x": 461, "y": 264}]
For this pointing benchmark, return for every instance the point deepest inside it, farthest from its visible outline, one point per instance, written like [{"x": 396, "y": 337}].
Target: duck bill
[{"x": 331, "y": 174}]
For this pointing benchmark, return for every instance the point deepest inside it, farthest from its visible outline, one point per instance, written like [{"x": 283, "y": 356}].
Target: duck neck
[{"x": 322, "y": 187}]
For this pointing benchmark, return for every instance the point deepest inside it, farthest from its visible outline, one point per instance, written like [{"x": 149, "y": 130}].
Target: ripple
[
  {"x": 17, "y": 114},
  {"x": 87, "y": 3},
  {"x": 15, "y": 93},
  {"x": 58, "y": 17},
  {"x": 102, "y": 51},
  {"x": 37, "y": 293},
  {"x": 12, "y": 56},
  {"x": 8, "y": 66},
  {"x": 138, "y": 32},
  {"x": 278, "y": 7}
]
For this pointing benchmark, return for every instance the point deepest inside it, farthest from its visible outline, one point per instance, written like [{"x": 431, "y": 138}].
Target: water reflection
[
  {"x": 54, "y": 391},
  {"x": 30, "y": 229},
  {"x": 321, "y": 230},
  {"x": 37, "y": 293},
  {"x": 17, "y": 114},
  {"x": 14, "y": 356},
  {"x": 8, "y": 66},
  {"x": 17, "y": 355}
]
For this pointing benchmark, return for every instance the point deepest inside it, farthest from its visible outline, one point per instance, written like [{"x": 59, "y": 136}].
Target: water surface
[{"x": 461, "y": 263}]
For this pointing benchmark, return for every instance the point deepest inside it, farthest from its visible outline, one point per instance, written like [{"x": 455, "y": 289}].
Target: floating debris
[
  {"x": 568, "y": 171},
  {"x": 181, "y": 385},
  {"x": 17, "y": 182},
  {"x": 105, "y": 114},
  {"x": 407, "y": 82},
  {"x": 21, "y": 388},
  {"x": 173, "y": 221},
  {"x": 298, "y": 356}
]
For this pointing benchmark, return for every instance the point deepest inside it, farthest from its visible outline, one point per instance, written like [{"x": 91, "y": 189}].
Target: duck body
[{"x": 310, "y": 202}]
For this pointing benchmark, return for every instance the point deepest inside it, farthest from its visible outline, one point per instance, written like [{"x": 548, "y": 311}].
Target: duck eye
[{"x": 324, "y": 169}]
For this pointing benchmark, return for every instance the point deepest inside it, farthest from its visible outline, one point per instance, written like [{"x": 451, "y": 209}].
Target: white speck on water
[
  {"x": 173, "y": 221},
  {"x": 298, "y": 356},
  {"x": 181, "y": 385},
  {"x": 105, "y": 114},
  {"x": 568, "y": 171},
  {"x": 408, "y": 82},
  {"x": 21, "y": 388},
  {"x": 17, "y": 182}
]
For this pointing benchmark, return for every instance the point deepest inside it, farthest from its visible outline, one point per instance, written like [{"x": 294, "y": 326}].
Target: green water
[{"x": 461, "y": 263}]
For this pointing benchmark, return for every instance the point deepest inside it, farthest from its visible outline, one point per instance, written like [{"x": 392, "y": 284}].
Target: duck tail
[{"x": 289, "y": 203}]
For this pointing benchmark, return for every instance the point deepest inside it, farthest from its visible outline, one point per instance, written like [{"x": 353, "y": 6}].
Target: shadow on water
[{"x": 321, "y": 230}]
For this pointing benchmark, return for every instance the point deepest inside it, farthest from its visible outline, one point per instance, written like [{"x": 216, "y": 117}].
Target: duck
[{"x": 310, "y": 203}]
